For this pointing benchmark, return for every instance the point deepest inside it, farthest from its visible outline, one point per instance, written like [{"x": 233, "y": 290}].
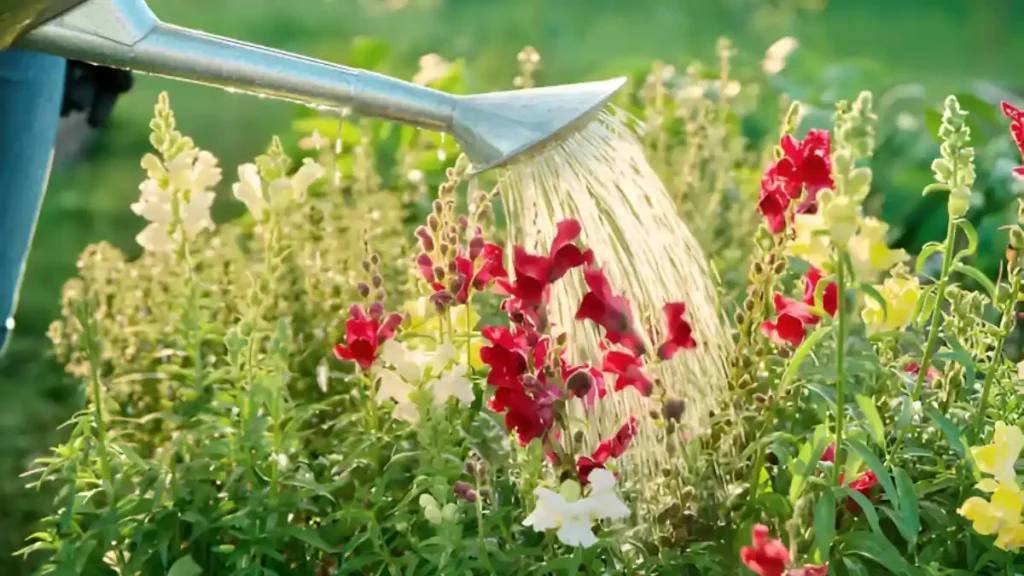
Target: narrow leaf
[
  {"x": 872, "y": 419},
  {"x": 978, "y": 277},
  {"x": 825, "y": 523},
  {"x": 876, "y": 466},
  {"x": 909, "y": 510}
]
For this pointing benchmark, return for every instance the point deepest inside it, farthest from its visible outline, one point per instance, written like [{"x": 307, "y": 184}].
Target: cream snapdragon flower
[
  {"x": 811, "y": 242},
  {"x": 249, "y": 188},
  {"x": 176, "y": 198},
  {"x": 407, "y": 371},
  {"x": 870, "y": 252},
  {"x": 573, "y": 516}
]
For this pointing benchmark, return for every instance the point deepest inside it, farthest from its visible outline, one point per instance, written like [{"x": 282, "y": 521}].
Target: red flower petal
[
  {"x": 680, "y": 333},
  {"x": 628, "y": 367},
  {"x": 608, "y": 311},
  {"x": 767, "y": 557}
]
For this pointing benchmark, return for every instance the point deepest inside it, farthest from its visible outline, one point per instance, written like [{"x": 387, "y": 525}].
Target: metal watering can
[{"x": 492, "y": 129}]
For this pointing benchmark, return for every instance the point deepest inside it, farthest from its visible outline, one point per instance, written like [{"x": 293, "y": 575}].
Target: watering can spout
[{"x": 492, "y": 129}]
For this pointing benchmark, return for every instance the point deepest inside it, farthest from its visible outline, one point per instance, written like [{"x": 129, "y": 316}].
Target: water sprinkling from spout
[{"x": 599, "y": 176}]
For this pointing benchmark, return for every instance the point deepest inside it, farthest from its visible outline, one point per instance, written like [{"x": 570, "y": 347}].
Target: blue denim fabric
[{"x": 31, "y": 91}]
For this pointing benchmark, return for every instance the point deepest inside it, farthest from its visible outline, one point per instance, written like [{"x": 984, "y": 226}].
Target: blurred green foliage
[{"x": 910, "y": 53}]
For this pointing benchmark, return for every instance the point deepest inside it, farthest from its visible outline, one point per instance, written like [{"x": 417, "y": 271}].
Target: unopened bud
[
  {"x": 758, "y": 269},
  {"x": 433, "y": 222},
  {"x": 366, "y": 266},
  {"x": 476, "y": 246},
  {"x": 376, "y": 310},
  {"x": 579, "y": 383},
  {"x": 426, "y": 240},
  {"x": 439, "y": 273},
  {"x": 438, "y": 209},
  {"x": 377, "y": 280},
  {"x": 579, "y": 437},
  {"x": 363, "y": 289},
  {"x": 779, "y": 267},
  {"x": 674, "y": 409},
  {"x": 457, "y": 283},
  {"x": 464, "y": 491},
  {"x": 463, "y": 223},
  {"x": 375, "y": 259}
]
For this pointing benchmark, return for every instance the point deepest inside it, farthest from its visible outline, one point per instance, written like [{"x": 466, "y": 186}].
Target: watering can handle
[{"x": 31, "y": 90}]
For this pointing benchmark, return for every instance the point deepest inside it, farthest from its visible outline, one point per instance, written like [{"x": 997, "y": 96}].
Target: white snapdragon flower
[
  {"x": 404, "y": 371},
  {"x": 183, "y": 184},
  {"x": 574, "y": 517},
  {"x": 249, "y": 188}
]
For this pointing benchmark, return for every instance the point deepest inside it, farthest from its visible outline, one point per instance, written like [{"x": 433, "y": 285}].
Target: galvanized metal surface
[
  {"x": 19, "y": 16},
  {"x": 492, "y": 129}
]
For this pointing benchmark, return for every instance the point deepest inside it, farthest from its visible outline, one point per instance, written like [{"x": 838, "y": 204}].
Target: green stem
[
  {"x": 933, "y": 334},
  {"x": 95, "y": 382},
  {"x": 840, "y": 363},
  {"x": 480, "y": 532},
  {"x": 986, "y": 390}
]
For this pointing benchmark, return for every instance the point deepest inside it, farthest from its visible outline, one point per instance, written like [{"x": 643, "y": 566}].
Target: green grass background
[{"x": 942, "y": 44}]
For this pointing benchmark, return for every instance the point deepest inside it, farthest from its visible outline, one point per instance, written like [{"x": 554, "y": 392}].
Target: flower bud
[
  {"x": 579, "y": 383},
  {"x": 375, "y": 260},
  {"x": 426, "y": 240},
  {"x": 453, "y": 266},
  {"x": 366, "y": 266},
  {"x": 376, "y": 310},
  {"x": 377, "y": 280},
  {"x": 439, "y": 273},
  {"x": 674, "y": 409},
  {"x": 463, "y": 491},
  {"x": 470, "y": 468},
  {"x": 463, "y": 223},
  {"x": 758, "y": 269},
  {"x": 363, "y": 289},
  {"x": 476, "y": 246},
  {"x": 458, "y": 283},
  {"x": 438, "y": 209}
]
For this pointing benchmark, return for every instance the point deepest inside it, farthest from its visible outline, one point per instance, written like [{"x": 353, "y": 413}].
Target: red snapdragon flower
[
  {"x": 792, "y": 317},
  {"x": 932, "y": 373},
  {"x": 534, "y": 273},
  {"x": 680, "y": 333},
  {"x": 767, "y": 556},
  {"x": 528, "y": 409},
  {"x": 628, "y": 367},
  {"x": 613, "y": 447},
  {"x": 364, "y": 334},
  {"x": 865, "y": 484},
  {"x": 602, "y": 307},
  {"x": 829, "y": 298},
  {"x": 479, "y": 267},
  {"x": 1016, "y": 117},
  {"x": 770, "y": 557},
  {"x": 525, "y": 400},
  {"x": 805, "y": 165}
]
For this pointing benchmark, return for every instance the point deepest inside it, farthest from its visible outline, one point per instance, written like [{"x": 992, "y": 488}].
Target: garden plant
[{"x": 362, "y": 376}]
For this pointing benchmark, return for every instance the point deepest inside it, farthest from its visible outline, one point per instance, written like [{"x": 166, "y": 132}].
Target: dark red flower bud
[
  {"x": 376, "y": 310},
  {"x": 579, "y": 383},
  {"x": 476, "y": 246},
  {"x": 363, "y": 289},
  {"x": 377, "y": 280}
]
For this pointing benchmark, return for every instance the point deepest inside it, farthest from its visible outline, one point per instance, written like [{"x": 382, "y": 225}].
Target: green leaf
[
  {"x": 978, "y": 277},
  {"x": 807, "y": 462},
  {"x": 878, "y": 549},
  {"x": 310, "y": 537},
  {"x": 872, "y": 419},
  {"x": 825, "y": 523},
  {"x": 870, "y": 292},
  {"x": 909, "y": 511},
  {"x": 800, "y": 355},
  {"x": 926, "y": 251},
  {"x": 185, "y": 566},
  {"x": 949, "y": 430},
  {"x": 866, "y": 506},
  {"x": 876, "y": 466},
  {"x": 972, "y": 238}
]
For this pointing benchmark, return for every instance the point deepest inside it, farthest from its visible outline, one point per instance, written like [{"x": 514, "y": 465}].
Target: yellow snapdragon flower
[
  {"x": 999, "y": 457},
  {"x": 1000, "y": 516},
  {"x": 901, "y": 292}
]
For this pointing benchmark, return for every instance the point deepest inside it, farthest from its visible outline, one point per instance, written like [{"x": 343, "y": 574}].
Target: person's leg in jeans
[{"x": 31, "y": 92}]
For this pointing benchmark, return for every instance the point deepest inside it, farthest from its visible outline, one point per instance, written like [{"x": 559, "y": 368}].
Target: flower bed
[{"x": 321, "y": 388}]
